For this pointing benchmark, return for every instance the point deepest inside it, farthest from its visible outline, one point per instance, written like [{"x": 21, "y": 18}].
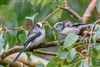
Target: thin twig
[
  {"x": 89, "y": 45},
  {"x": 19, "y": 48},
  {"x": 50, "y": 15},
  {"x": 45, "y": 52},
  {"x": 71, "y": 11},
  {"x": 85, "y": 35},
  {"x": 16, "y": 28},
  {"x": 89, "y": 31},
  {"x": 65, "y": 3}
]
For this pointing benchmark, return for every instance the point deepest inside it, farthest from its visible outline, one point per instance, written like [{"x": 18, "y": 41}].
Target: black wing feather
[
  {"x": 27, "y": 43},
  {"x": 77, "y": 25}
]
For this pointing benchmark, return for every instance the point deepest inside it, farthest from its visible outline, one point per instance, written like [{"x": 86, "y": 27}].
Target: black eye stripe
[
  {"x": 38, "y": 25},
  {"x": 61, "y": 24}
]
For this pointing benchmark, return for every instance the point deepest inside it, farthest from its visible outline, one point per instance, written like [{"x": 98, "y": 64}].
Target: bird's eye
[
  {"x": 37, "y": 25},
  {"x": 57, "y": 26},
  {"x": 68, "y": 25},
  {"x": 61, "y": 25}
]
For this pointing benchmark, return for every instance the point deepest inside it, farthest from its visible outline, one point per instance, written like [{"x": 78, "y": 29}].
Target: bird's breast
[
  {"x": 68, "y": 30},
  {"x": 39, "y": 39}
]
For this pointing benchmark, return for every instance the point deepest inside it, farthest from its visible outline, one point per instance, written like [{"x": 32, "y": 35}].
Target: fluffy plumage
[
  {"x": 65, "y": 28},
  {"x": 35, "y": 36}
]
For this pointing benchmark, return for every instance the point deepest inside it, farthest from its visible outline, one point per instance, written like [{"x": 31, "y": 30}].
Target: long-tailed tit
[
  {"x": 65, "y": 28},
  {"x": 35, "y": 36}
]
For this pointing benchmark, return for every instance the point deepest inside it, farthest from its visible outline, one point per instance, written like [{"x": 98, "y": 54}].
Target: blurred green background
[{"x": 13, "y": 13}]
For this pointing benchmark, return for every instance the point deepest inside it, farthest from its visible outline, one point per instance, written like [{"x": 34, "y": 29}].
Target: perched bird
[
  {"x": 66, "y": 27},
  {"x": 35, "y": 36}
]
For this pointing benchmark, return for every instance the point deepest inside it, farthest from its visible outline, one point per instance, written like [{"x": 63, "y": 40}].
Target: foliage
[
  {"x": 13, "y": 13},
  {"x": 98, "y": 5}
]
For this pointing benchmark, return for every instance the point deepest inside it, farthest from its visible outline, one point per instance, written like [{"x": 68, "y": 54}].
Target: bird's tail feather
[{"x": 26, "y": 44}]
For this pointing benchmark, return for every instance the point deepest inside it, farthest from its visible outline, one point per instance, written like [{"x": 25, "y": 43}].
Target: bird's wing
[
  {"x": 32, "y": 37},
  {"x": 32, "y": 31},
  {"x": 81, "y": 24},
  {"x": 78, "y": 24},
  {"x": 28, "y": 42}
]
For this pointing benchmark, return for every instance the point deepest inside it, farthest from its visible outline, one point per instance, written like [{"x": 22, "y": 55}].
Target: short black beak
[{"x": 43, "y": 23}]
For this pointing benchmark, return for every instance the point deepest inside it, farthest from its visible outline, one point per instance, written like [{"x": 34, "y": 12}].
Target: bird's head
[
  {"x": 39, "y": 26},
  {"x": 61, "y": 25}
]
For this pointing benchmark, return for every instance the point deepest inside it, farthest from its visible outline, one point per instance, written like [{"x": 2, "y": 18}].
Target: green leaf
[
  {"x": 71, "y": 54},
  {"x": 98, "y": 6},
  {"x": 45, "y": 3},
  {"x": 11, "y": 38},
  {"x": 70, "y": 40},
  {"x": 9, "y": 17},
  {"x": 50, "y": 36},
  {"x": 94, "y": 52},
  {"x": 2, "y": 40},
  {"x": 36, "y": 5},
  {"x": 1, "y": 65},
  {"x": 22, "y": 8},
  {"x": 94, "y": 61},
  {"x": 68, "y": 55},
  {"x": 97, "y": 46},
  {"x": 53, "y": 63},
  {"x": 63, "y": 54},
  {"x": 21, "y": 36},
  {"x": 78, "y": 5},
  {"x": 44, "y": 9},
  {"x": 68, "y": 65},
  {"x": 96, "y": 36},
  {"x": 83, "y": 63},
  {"x": 4, "y": 2},
  {"x": 40, "y": 65}
]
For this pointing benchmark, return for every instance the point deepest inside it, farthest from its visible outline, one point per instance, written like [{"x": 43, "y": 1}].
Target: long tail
[{"x": 26, "y": 44}]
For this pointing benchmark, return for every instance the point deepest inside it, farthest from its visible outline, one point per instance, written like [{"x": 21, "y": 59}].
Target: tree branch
[
  {"x": 65, "y": 3},
  {"x": 8, "y": 61},
  {"x": 89, "y": 45},
  {"x": 5, "y": 29},
  {"x": 43, "y": 45},
  {"x": 89, "y": 11},
  {"x": 71, "y": 11},
  {"x": 45, "y": 52},
  {"x": 50, "y": 15},
  {"x": 18, "y": 48}
]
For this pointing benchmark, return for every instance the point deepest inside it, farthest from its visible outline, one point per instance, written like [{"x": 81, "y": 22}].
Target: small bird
[
  {"x": 35, "y": 36},
  {"x": 66, "y": 27}
]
